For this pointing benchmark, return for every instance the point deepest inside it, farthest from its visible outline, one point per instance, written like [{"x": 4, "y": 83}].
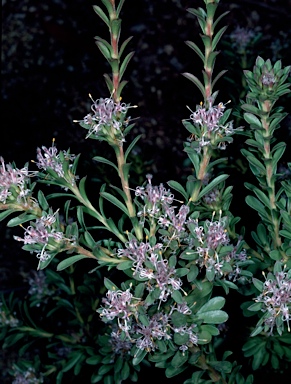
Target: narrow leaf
[
  {"x": 131, "y": 146},
  {"x": 114, "y": 201},
  {"x": 196, "y": 81},
  {"x": 105, "y": 161},
  {"x": 196, "y": 49},
  {"x": 178, "y": 187},
  {"x": 70, "y": 261},
  {"x": 101, "y": 14},
  {"x": 125, "y": 64}
]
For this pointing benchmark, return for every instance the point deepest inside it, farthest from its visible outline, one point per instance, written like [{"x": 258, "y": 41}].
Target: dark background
[{"x": 50, "y": 63}]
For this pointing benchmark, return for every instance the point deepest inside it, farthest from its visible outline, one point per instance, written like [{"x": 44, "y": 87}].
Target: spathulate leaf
[
  {"x": 252, "y": 120},
  {"x": 213, "y": 317},
  {"x": 212, "y": 185},
  {"x": 213, "y": 304},
  {"x": 20, "y": 220}
]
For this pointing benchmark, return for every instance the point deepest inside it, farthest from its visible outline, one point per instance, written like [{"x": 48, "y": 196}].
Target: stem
[
  {"x": 208, "y": 65},
  {"x": 270, "y": 178},
  {"x": 202, "y": 172},
  {"x": 202, "y": 363},
  {"x": 125, "y": 187},
  {"x": 95, "y": 213}
]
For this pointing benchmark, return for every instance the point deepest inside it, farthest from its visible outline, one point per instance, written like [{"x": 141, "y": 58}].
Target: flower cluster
[
  {"x": 148, "y": 263},
  {"x": 119, "y": 346},
  {"x": 120, "y": 305},
  {"x": 157, "y": 208},
  {"x": 107, "y": 117},
  {"x": 45, "y": 236},
  {"x": 51, "y": 159},
  {"x": 211, "y": 125},
  {"x": 145, "y": 334},
  {"x": 27, "y": 377},
  {"x": 13, "y": 183},
  {"x": 6, "y": 318},
  {"x": 276, "y": 300},
  {"x": 213, "y": 250},
  {"x": 38, "y": 287},
  {"x": 241, "y": 38}
]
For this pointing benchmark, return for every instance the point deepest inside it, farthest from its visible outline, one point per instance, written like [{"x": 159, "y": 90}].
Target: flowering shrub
[{"x": 168, "y": 260}]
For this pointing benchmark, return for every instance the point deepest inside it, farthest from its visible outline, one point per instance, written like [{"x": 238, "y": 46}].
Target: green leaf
[
  {"x": 131, "y": 146},
  {"x": 179, "y": 359},
  {"x": 101, "y": 14},
  {"x": 254, "y": 203},
  {"x": 221, "y": 366},
  {"x": 285, "y": 233},
  {"x": 172, "y": 371},
  {"x": 93, "y": 360},
  {"x": 204, "y": 337},
  {"x": 114, "y": 201},
  {"x": 252, "y": 109},
  {"x": 213, "y": 331},
  {"x": 109, "y": 83},
  {"x": 105, "y": 161},
  {"x": 252, "y": 120},
  {"x": 23, "y": 218},
  {"x": 217, "y": 77},
  {"x": 255, "y": 307},
  {"x": 124, "y": 265},
  {"x": 212, "y": 185},
  {"x": 213, "y": 304},
  {"x": 72, "y": 362},
  {"x": 178, "y": 187},
  {"x": 6, "y": 213},
  {"x": 176, "y": 295},
  {"x": 104, "y": 50},
  {"x": 218, "y": 36},
  {"x": 196, "y": 81},
  {"x": 69, "y": 261},
  {"x": 258, "y": 358},
  {"x": 178, "y": 319},
  {"x": 258, "y": 284},
  {"x": 196, "y": 49},
  {"x": 123, "y": 45},
  {"x": 139, "y": 356},
  {"x": 213, "y": 317},
  {"x": 109, "y": 285},
  {"x": 125, "y": 64},
  {"x": 42, "y": 201},
  {"x": 124, "y": 374}
]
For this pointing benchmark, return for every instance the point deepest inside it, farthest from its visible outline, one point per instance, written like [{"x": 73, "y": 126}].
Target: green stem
[
  {"x": 125, "y": 187},
  {"x": 95, "y": 213},
  {"x": 270, "y": 178},
  {"x": 202, "y": 363},
  {"x": 202, "y": 172}
]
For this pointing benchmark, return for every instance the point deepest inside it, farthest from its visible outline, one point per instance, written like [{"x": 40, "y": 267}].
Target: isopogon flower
[
  {"x": 276, "y": 300},
  {"x": 241, "y": 38},
  {"x": 14, "y": 183},
  {"x": 106, "y": 119},
  {"x": 40, "y": 232},
  {"x": 50, "y": 158}
]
